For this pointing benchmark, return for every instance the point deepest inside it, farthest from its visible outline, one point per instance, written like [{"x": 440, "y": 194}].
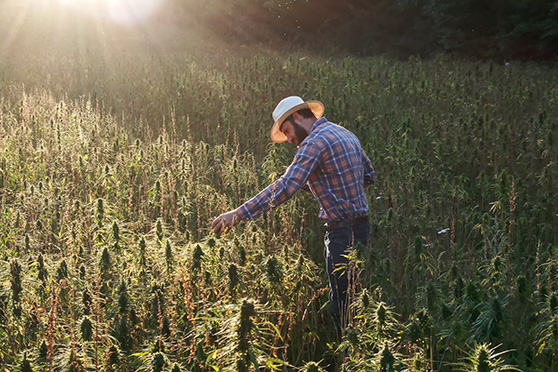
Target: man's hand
[{"x": 225, "y": 222}]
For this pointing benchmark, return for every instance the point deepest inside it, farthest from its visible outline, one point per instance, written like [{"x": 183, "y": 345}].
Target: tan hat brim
[{"x": 316, "y": 107}]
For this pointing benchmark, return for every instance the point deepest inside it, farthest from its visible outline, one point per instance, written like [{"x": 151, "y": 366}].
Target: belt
[{"x": 332, "y": 225}]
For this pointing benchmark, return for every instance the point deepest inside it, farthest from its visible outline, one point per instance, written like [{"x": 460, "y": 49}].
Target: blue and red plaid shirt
[{"x": 332, "y": 163}]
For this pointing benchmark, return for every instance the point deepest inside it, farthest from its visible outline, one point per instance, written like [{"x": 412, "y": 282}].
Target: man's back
[{"x": 339, "y": 178}]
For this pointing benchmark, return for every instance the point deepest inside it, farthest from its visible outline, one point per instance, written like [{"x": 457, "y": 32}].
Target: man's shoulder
[
  {"x": 326, "y": 134},
  {"x": 334, "y": 132}
]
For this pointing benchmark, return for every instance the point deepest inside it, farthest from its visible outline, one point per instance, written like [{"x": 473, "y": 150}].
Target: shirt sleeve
[
  {"x": 306, "y": 188},
  {"x": 295, "y": 177},
  {"x": 369, "y": 173}
]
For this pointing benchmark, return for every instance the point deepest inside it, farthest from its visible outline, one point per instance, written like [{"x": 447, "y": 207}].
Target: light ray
[
  {"x": 126, "y": 12},
  {"x": 13, "y": 29}
]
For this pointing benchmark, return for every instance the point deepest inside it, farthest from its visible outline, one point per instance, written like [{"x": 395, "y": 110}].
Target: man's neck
[{"x": 307, "y": 124}]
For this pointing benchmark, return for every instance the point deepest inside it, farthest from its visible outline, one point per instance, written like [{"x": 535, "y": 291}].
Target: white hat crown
[{"x": 286, "y": 107}]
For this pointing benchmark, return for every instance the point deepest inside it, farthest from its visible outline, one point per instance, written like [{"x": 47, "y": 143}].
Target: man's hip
[{"x": 332, "y": 225}]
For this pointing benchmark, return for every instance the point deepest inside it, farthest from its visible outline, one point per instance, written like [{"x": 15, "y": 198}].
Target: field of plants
[{"x": 112, "y": 166}]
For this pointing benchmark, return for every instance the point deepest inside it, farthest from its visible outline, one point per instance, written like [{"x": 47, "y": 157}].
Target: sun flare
[{"x": 120, "y": 11}]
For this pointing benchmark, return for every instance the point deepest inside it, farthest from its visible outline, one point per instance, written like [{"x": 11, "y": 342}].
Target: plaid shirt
[{"x": 331, "y": 162}]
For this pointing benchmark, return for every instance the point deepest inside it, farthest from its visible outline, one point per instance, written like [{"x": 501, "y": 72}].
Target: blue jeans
[{"x": 336, "y": 243}]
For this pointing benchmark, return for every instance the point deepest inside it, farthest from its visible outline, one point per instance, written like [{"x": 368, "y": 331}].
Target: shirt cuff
[{"x": 243, "y": 213}]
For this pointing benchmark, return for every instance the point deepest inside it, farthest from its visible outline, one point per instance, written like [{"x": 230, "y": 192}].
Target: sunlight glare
[{"x": 121, "y": 11}]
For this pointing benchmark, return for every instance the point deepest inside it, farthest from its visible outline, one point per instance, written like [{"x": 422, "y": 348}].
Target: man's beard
[{"x": 300, "y": 133}]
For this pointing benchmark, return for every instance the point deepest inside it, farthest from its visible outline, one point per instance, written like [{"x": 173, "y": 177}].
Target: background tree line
[{"x": 500, "y": 29}]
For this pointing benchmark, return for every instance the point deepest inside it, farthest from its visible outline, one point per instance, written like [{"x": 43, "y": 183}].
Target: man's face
[{"x": 294, "y": 132}]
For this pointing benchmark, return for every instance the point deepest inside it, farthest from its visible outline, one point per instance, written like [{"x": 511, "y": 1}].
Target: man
[{"x": 331, "y": 164}]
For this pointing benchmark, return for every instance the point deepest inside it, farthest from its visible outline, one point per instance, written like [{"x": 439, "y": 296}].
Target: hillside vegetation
[
  {"x": 119, "y": 146},
  {"x": 112, "y": 169}
]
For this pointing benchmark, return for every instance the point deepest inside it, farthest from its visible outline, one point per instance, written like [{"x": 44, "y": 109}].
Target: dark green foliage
[
  {"x": 82, "y": 272},
  {"x": 123, "y": 334},
  {"x": 123, "y": 299},
  {"x": 242, "y": 255},
  {"x": 233, "y": 278},
  {"x": 244, "y": 329},
  {"x": 62, "y": 271},
  {"x": 43, "y": 273},
  {"x": 116, "y": 236},
  {"x": 387, "y": 360},
  {"x": 168, "y": 254},
  {"x": 197, "y": 258},
  {"x": 482, "y": 361},
  {"x": 273, "y": 270},
  {"x": 115, "y": 232},
  {"x": 43, "y": 350},
  {"x": 553, "y": 303},
  {"x": 105, "y": 263},
  {"x": 165, "y": 327},
  {"x": 142, "y": 252},
  {"x": 25, "y": 365},
  {"x": 112, "y": 356},
  {"x": 158, "y": 362},
  {"x": 365, "y": 298},
  {"x": 15, "y": 271},
  {"x": 86, "y": 300},
  {"x": 418, "y": 329},
  {"x": 522, "y": 289},
  {"x": 86, "y": 329},
  {"x": 100, "y": 211}
]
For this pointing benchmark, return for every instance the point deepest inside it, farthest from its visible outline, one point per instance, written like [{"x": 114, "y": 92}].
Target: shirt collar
[{"x": 318, "y": 122}]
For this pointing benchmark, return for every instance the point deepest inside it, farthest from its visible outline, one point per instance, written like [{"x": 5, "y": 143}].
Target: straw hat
[{"x": 285, "y": 108}]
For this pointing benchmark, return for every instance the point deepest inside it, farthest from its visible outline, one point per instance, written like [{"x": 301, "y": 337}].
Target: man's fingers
[
  {"x": 224, "y": 223},
  {"x": 220, "y": 225},
  {"x": 217, "y": 225},
  {"x": 225, "y": 226}
]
